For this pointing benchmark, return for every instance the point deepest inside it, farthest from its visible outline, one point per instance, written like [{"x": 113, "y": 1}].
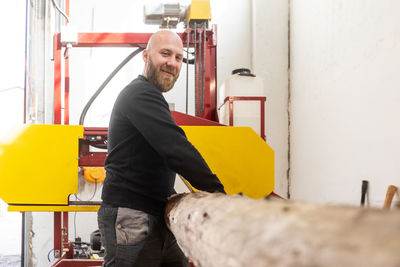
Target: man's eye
[
  {"x": 178, "y": 58},
  {"x": 165, "y": 53}
]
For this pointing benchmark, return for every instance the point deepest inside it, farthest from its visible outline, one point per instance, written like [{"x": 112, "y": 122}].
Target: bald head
[
  {"x": 163, "y": 59},
  {"x": 163, "y": 36}
]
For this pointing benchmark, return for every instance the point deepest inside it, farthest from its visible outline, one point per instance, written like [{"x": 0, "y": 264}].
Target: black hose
[
  {"x": 191, "y": 61},
  {"x": 89, "y": 103}
]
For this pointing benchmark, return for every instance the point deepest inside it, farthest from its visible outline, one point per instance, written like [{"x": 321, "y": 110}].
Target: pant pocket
[{"x": 131, "y": 226}]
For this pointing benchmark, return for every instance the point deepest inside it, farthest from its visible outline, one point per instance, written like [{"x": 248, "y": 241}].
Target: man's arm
[{"x": 148, "y": 111}]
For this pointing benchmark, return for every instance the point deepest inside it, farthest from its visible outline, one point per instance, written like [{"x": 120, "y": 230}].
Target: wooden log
[{"x": 220, "y": 230}]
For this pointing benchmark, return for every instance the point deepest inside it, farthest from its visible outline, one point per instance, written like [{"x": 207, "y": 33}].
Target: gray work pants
[{"x": 134, "y": 238}]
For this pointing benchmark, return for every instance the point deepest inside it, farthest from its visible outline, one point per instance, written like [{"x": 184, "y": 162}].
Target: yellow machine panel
[
  {"x": 39, "y": 165},
  {"x": 238, "y": 156},
  {"x": 54, "y": 208},
  {"x": 199, "y": 10}
]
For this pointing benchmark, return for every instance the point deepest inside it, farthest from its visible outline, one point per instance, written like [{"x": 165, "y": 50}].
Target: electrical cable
[
  {"x": 94, "y": 193},
  {"x": 76, "y": 196},
  {"x": 200, "y": 68},
  {"x": 190, "y": 61},
  {"x": 11, "y": 88},
  {"x": 203, "y": 71},
  {"x": 25, "y": 216},
  {"x": 75, "y": 225},
  {"x": 48, "y": 254},
  {"x": 28, "y": 80},
  {"x": 59, "y": 10},
  {"x": 195, "y": 70},
  {"x": 115, "y": 71},
  {"x": 187, "y": 69},
  {"x": 187, "y": 51}
]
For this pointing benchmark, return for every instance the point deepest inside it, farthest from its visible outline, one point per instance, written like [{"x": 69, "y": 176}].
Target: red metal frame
[
  {"x": 60, "y": 219},
  {"x": 57, "y": 79},
  {"x": 262, "y": 100},
  {"x": 66, "y": 91},
  {"x": 86, "y": 157},
  {"x": 77, "y": 263},
  {"x": 210, "y": 100},
  {"x": 185, "y": 119},
  {"x": 66, "y": 80},
  {"x": 65, "y": 229},
  {"x": 274, "y": 195},
  {"x": 57, "y": 235},
  {"x": 69, "y": 254},
  {"x": 133, "y": 40},
  {"x": 209, "y": 110},
  {"x": 60, "y": 233}
]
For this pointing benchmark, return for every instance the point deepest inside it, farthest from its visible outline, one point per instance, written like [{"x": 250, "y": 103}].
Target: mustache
[{"x": 171, "y": 70}]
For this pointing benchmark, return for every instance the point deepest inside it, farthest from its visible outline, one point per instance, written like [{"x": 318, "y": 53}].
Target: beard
[{"x": 161, "y": 81}]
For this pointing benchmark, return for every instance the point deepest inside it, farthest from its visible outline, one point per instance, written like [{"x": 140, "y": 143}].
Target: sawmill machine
[{"x": 240, "y": 158}]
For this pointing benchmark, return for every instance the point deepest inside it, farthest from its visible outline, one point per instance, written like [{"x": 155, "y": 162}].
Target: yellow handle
[{"x": 389, "y": 196}]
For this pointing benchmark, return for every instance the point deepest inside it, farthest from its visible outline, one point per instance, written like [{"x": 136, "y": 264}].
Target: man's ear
[{"x": 144, "y": 55}]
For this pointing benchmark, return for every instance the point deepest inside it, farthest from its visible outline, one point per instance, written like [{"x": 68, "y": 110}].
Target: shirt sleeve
[{"x": 148, "y": 111}]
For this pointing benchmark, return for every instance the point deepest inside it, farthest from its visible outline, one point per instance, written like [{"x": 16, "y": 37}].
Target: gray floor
[
  {"x": 10, "y": 239},
  {"x": 10, "y": 260}
]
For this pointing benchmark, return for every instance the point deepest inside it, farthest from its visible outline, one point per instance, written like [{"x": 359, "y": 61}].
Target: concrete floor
[{"x": 10, "y": 238}]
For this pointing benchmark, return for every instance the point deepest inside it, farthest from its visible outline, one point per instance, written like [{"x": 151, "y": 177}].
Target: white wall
[
  {"x": 11, "y": 108},
  {"x": 254, "y": 34},
  {"x": 345, "y": 99},
  {"x": 270, "y": 61}
]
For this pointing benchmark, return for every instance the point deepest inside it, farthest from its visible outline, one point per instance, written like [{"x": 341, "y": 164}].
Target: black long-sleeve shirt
[{"x": 145, "y": 151}]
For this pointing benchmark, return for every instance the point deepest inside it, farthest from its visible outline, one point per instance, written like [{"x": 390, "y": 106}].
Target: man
[{"x": 145, "y": 151}]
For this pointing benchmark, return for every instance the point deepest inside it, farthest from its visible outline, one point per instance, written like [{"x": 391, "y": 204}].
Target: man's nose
[{"x": 172, "y": 62}]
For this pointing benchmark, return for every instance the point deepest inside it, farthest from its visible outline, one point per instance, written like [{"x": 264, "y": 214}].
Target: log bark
[{"x": 220, "y": 230}]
